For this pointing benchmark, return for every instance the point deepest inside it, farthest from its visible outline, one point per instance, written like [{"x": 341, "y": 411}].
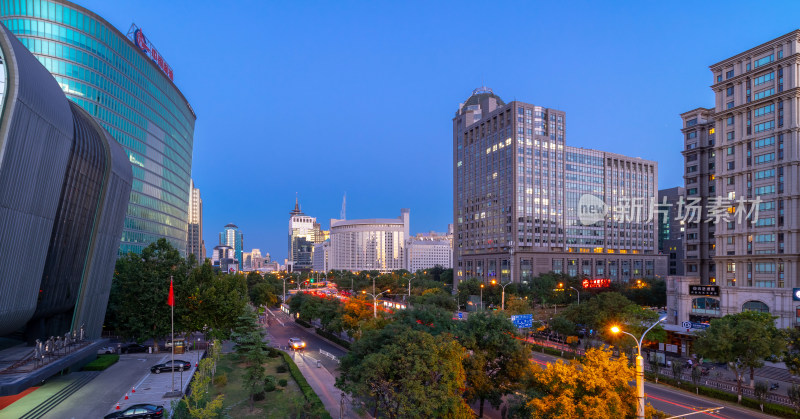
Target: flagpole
[{"x": 172, "y": 306}]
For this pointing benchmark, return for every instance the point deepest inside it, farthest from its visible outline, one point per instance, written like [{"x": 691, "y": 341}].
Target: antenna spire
[{"x": 343, "y": 214}]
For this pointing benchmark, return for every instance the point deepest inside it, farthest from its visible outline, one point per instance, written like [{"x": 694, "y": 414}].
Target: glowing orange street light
[{"x": 639, "y": 367}]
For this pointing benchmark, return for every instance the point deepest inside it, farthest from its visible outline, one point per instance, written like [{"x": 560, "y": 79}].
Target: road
[{"x": 678, "y": 402}]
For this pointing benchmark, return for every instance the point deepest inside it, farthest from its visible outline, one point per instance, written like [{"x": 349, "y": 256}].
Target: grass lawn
[{"x": 284, "y": 402}]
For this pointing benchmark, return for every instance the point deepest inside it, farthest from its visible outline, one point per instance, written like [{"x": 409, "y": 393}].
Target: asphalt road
[
  {"x": 678, "y": 402},
  {"x": 280, "y": 335}
]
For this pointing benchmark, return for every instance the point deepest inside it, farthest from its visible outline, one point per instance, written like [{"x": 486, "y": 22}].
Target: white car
[
  {"x": 107, "y": 350},
  {"x": 297, "y": 343}
]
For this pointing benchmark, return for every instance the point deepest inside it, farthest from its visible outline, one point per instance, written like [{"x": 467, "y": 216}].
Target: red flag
[{"x": 171, "y": 300}]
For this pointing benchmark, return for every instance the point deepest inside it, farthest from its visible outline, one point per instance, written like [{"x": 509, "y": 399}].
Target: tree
[
  {"x": 435, "y": 297},
  {"x": 250, "y": 345},
  {"x": 137, "y": 305},
  {"x": 760, "y": 391},
  {"x": 791, "y": 356},
  {"x": 413, "y": 374},
  {"x": 742, "y": 340},
  {"x": 516, "y": 305},
  {"x": 597, "y": 387},
  {"x": 794, "y": 396},
  {"x": 198, "y": 403},
  {"x": 357, "y": 312},
  {"x": 611, "y": 308},
  {"x": 497, "y": 360}
]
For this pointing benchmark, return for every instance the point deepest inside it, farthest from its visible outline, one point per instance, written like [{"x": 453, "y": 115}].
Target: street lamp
[
  {"x": 639, "y": 367},
  {"x": 579, "y": 294},
  {"x": 374, "y": 301},
  {"x": 409, "y": 288},
  {"x": 481, "y": 296},
  {"x": 284, "y": 289},
  {"x": 503, "y": 298}
]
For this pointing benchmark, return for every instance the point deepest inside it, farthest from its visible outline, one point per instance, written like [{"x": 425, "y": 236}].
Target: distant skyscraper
[
  {"x": 519, "y": 194},
  {"x": 253, "y": 261},
  {"x": 194, "y": 242},
  {"x": 231, "y": 236},
  {"x": 304, "y": 232}
]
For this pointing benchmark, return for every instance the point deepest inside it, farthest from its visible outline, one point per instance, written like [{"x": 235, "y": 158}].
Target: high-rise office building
[
  {"x": 64, "y": 188},
  {"x": 751, "y": 143},
  {"x": 671, "y": 230},
  {"x": 194, "y": 242},
  {"x": 304, "y": 233},
  {"x": 526, "y": 204},
  {"x": 232, "y": 237},
  {"x": 123, "y": 81}
]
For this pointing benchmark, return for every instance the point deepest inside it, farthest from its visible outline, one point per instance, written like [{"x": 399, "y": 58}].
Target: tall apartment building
[
  {"x": 195, "y": 245},
  {"x": 231, "y": 236},
  {"x": 671, "y": 231},
  {"x": 520, "y": 193},
  {"x": 752, "y": 262}
]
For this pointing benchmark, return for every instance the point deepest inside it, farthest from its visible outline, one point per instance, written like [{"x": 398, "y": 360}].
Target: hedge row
[
  {"x": 552, "y": 351},
  {"x": 303, "y": 323},
  {"x": 101, "y": 363},
  {"x": 769, "y": 408},
  {"x": 332, "y": 337},
  {"x": 308, "y": 392}
]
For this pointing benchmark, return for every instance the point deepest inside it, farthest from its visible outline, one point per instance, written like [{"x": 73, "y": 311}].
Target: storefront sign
[
  {"x": 596, "y": 283},
  {"x": 712, "y": 290}
]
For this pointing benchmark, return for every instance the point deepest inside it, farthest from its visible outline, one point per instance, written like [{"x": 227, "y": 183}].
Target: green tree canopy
[{"x": 742, "y": 340}]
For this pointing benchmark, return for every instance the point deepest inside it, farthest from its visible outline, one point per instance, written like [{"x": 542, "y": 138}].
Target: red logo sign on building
[
  {"x": 597, "y": 283},
  {"x": 146, "y": 46}
]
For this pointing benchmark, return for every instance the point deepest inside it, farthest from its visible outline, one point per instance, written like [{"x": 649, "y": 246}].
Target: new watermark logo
[{"x": 592, "y": 210}]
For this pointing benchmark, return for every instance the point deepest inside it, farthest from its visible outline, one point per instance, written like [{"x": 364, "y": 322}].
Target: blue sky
[{"x": 323, "y": 98}]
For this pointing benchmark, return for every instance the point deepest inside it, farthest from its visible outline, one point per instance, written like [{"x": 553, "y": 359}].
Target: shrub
[
  {"x": 282, "y": 369},
  {"x": 221, "y": 380},
  {"x": 101, "y": 363},
  {"x": 282, "y": 382},
  {"x": 303, "y": 323},
  {"x": 259, "y": 396},
  {"x": 273, "y": 353},
  {"x": 332, "y": 337},
  {"x": 269, "y": 386}
]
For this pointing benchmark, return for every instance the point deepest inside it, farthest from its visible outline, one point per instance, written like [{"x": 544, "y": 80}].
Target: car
[
  {"x": 138, "y": 411},
  {"x": 297, "y": 343},
  {"x": 106, "y": 350},
  {"x": 177, "y": 365},
  {"x": 133, "y": 348}
]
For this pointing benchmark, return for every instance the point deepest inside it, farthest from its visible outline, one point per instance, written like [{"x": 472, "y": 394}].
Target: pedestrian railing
[{"x": 329, "y": 355}]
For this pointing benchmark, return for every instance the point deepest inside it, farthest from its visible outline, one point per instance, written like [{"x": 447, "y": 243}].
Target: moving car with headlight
[{"x": 297, "y": 343}]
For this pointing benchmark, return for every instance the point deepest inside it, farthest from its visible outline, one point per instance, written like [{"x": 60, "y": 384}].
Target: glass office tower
[{"x": 104, "y": 72}]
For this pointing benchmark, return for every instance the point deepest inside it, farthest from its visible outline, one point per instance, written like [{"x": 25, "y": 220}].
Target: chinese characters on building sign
[
  {"x": 145, "y": 45},
  {"x": 597, "y": 283},
  {"x": 712, "y": 290},
  {"x": 716, "y": 210}
]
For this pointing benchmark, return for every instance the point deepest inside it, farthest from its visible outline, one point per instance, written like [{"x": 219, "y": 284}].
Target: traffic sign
[{"x": 522, "y": 320}]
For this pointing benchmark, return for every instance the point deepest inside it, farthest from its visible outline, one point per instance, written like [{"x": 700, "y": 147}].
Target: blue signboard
[
  {"x": 460, "y": 315},
  {"x": 522, "y": 320}
]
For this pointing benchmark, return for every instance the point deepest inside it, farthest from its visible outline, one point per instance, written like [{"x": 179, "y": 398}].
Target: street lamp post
[
  {"x": 579, "y": 294},
  {"x": 481, "y": 297},
  {"x": 284, "y": 289},
  {"x": 409, "y": 289},
  {"x": 374, "y": 301},
  {"x": 503, "y": 298},
  {"x": 639, "y": 367}
]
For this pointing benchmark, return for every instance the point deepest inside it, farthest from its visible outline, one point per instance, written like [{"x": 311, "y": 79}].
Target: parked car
[
  {"x": 297, "y": 343},
  {"x": 106, "y": 350},
  {"x": 139, "y": 411},
  {"x": 169, "y": 366},
  {"x": 133, "y": 348}
]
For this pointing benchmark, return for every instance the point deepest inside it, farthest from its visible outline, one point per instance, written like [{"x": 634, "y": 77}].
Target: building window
[
  {"x": 706, "y": 305},
  {"x": 763, "y": 61},
  {"x": 755, "y": 306},
  {"x": 691, "y": 134},
  {"x": 730, "y": 120},
  {"x": 728, "y": 74},
  {"x": 731, "y": 135}
]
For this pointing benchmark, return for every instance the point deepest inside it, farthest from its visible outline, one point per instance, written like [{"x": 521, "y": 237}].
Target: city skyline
[{"x": 400, "y": 62}]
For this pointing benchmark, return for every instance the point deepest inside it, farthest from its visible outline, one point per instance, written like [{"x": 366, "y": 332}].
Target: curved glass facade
[{"x": 110, "y": 77}]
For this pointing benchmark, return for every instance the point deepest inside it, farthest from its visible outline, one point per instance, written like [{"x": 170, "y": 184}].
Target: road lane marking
[{"x": 683, "y": 406}]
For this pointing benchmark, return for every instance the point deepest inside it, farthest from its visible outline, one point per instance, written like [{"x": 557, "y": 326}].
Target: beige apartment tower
[{"x": 755, "y": 159}]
